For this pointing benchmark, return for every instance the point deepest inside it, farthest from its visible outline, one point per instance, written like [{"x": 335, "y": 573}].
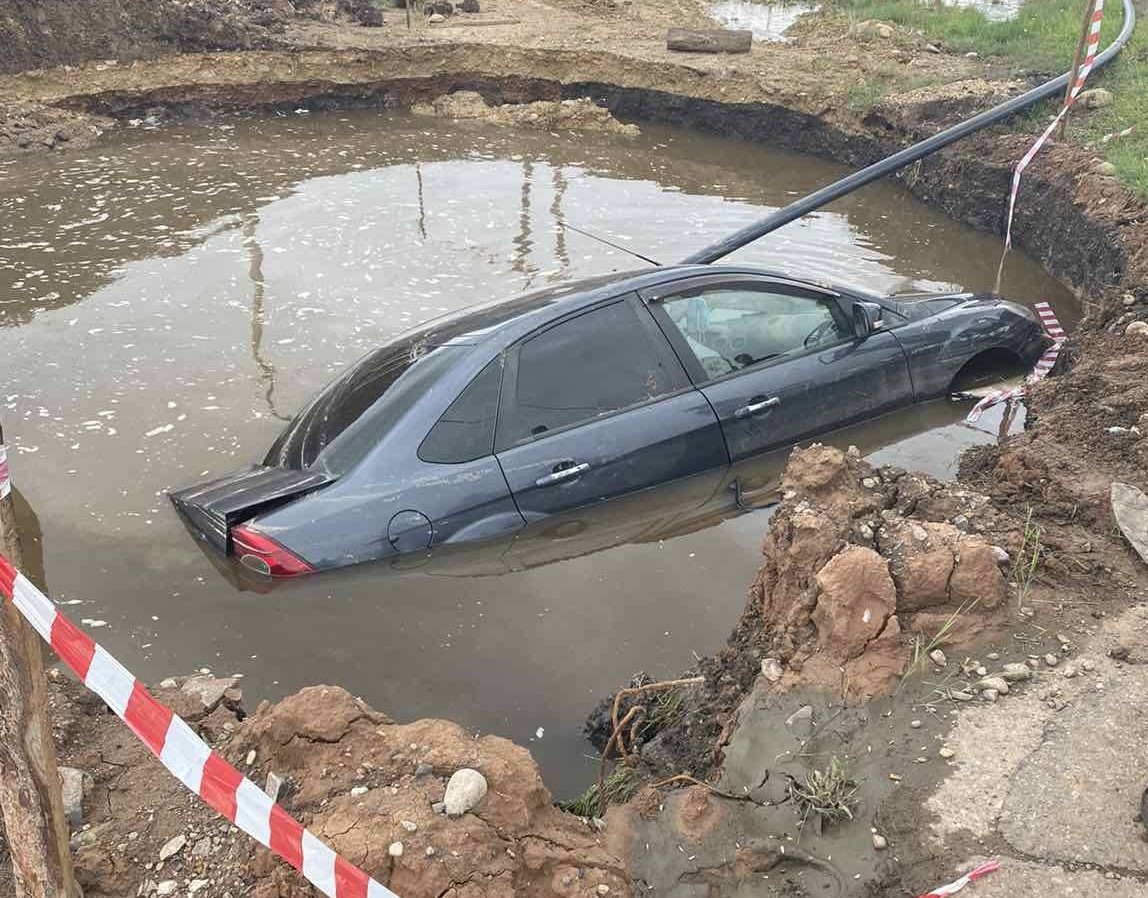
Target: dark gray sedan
[{"x": 691, "y": 379}]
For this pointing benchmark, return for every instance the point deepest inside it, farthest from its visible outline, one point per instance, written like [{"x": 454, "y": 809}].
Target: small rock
[
  {"x": 1118, "y": 653},
  {"x": 870, "y": 483},
  {"x": 196, "y": 884},
  {"x": 1000, "y": 555},
  {"x": 938, "y": 658},
  {"x": 201, "y": 849},
  {"x": 423, "y": 770},
  {"x": 251, "y": 757},
  {"x": 274, "y": 786},
  {"x": 1129, "y": 300},
  {"x": 173, "y": 847},
  {"x": 433, "y": 19},
  {"x": 915, "y": 724},
  {"x": 853, "y": 452},
  {"x": 1025, "y": 611},
  {"x": 409, "y": 825},
  {"x": 961, "y": 523},
  {"x": 990, "y": 695},
  {"x": 1016, "y": 672},
  {"x": 76, "y": 785},
  {"x": 1137, "y": 329},
  {"x": 946, "y": 752},
  {"x": 208, "y": 689},
  {"x": 1070, "y": 671},
  {"x": 464, "y": 791},
  {"x": 1051, "y": 660},
  {"x": 865, "y": 532},
  {"x": 469, "y": 6},
  {"x": 603, "y": 889},
  {"x": 168, "y": 683},
  {"x": 395, "y": 849},
  {"x": 1033, "y": 663},
  {"x": 358, "y": 790},
  {"x": 167, "y": 887},
  {"x": 932, "y": 48},
  {"x": 430, "y": 851},
  {"x": 997, "y": 684},
  {"x": 880, "y": 842},
  {"x": 771, "y": 669},
  {"x": 1097, "y": 98},
  {"x": 801, "y": 720},
  {"x": 1088, "y": 664},
  {"x": 438, "y": 807},
  {"x": 993, "y": 656},
  {"x": 982, "y": 671},
  {"x": 972, "y": 54},
  {"x": 920, "y": 534},
  {"x": 960, "y": 695}
]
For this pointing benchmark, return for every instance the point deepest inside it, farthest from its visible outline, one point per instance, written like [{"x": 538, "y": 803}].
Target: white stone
[
  {"x": 173, "y": 847},
  {"x": 167, "y": 887},
  {"x": 464, "y": 791},
  {"x": 938, "y": 658},
  {"x": 395, "y": 849},
  {"x": 771, "y": 669},
  {"x": 880, "y": 842},
  {"x": 358, "y": 790},
  {"x": 409, "y": 825}
]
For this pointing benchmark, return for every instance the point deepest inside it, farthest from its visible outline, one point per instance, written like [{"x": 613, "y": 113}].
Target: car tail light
[{"x": 261, "y": 554}]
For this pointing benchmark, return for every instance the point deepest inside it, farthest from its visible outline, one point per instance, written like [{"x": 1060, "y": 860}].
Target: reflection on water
[
  {"x": 767, "y": 21},
  {"x": 993, "y": 10},
  {"x": 168, "y": 297}
]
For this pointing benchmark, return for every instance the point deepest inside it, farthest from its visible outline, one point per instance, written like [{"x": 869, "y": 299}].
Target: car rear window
[
  {"x": 341, "y": 425},
  {"x": 466, "y": 429}
]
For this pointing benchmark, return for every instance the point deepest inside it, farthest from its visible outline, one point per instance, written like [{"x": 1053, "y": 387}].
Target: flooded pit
[{"x": 169, "y": 299}]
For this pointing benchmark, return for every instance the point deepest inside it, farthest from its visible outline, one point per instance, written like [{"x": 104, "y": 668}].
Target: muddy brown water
[{"x": 167, "y": 299}]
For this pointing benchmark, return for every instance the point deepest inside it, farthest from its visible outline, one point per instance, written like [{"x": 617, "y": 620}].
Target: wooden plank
[
  {"x": 31, "y": 798},
  {"x": 708, "y": 40}
]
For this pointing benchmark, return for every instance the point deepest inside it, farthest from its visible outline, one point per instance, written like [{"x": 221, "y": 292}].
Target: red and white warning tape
[
  {"x": 1040, "y": 371},
  {"x": 5, "y": 477},
  {"x": 1093, "y": 43},
  {"x": 182, "y": 752},
  {"x": 972, "y": 876}
]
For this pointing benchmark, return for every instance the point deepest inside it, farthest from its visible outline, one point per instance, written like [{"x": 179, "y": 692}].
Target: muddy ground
[{"x": 857, "y": 576}]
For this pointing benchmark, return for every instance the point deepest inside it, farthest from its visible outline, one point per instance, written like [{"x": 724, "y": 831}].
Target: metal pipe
[{"x": 907, "y": 156}]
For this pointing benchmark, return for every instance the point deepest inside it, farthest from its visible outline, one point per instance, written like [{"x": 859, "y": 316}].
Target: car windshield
[{"x": 338, "y": 429}]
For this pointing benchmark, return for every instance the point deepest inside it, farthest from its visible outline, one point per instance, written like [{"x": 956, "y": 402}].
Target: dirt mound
[
  {"x": 29, "y": 128},
  {"x": 545, "y": 115},
  {"x": 357, "y": 780},
  {"x": 855, "y": 557}
]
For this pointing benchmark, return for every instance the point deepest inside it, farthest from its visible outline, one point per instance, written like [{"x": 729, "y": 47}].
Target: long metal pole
[
  {"x": 31, "y": 801},
  {"x": 907, "y": 156}
]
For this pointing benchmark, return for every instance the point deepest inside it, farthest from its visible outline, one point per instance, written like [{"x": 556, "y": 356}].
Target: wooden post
[
  {"x": 1077, "y": 59},
  {"x": 31, "y": 799}
]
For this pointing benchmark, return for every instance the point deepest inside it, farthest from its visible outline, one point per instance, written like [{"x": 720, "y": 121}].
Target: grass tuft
[
  {"x": 831, "y": 793},
  {"x": 619, "y": 787},
  {"x": 1028, "y": 558}
]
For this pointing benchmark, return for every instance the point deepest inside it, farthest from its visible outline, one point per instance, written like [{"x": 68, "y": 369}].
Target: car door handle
[
  {"x": 563, "y": 474},
  {"x": 754, "y": 407}
]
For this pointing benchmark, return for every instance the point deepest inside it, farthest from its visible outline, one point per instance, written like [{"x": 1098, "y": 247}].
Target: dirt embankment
[{"x": 370, "y": 788}]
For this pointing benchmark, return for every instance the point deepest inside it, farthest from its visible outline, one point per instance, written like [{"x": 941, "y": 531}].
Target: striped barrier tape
[
  {"x": 1039, "y": 372},
  {"x": 187, "y": 757},
  {"x": 5, "y": 477},
  {"x": 972, "y": 876},
  {"x": 1093, "y": 43}
]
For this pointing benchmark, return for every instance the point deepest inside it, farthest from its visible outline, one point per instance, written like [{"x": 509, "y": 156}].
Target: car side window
[
  {"x": 730, "y": 328},
  {"x": 465, "y": 431},
  {"x": 581, "y": 369}
]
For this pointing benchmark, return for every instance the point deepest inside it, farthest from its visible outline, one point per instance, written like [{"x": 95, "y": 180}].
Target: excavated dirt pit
[{"x": 202, "y": 279}]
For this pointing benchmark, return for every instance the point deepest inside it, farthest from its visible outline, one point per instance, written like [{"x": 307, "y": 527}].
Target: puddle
[
  {"x": 169, "y": 298},
  {"x": 992, "y": 10},
  {"x": 767, "y": 21}
]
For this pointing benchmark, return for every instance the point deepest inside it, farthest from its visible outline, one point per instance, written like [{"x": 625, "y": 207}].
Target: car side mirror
[{"x": 866, "y": 318}]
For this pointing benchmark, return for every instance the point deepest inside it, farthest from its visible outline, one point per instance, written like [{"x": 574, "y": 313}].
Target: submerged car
[{"x": 498, "y": 419}]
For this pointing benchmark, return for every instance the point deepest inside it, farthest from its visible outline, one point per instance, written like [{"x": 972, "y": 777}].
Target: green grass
[
  {"x": 619, "y": 787},
  {"x": 1040, "y": 41}
]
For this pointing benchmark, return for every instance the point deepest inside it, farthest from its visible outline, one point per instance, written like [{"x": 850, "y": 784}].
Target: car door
[
  {"x": 779, "y": 362},
  {"x": 597, "y": 407}
]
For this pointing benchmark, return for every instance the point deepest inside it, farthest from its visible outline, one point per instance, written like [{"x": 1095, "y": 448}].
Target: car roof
[{"x": 505, "y": 320}]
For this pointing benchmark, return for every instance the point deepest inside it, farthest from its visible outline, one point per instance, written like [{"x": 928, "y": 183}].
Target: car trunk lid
[{"x": 213, "y": 508}]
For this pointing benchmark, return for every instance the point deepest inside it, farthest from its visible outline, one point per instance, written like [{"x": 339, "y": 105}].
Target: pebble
[
  {"x": 409, "y": 825},
  {"x": 990, "y": 695},
  {"x": 423, "y": 770},
  {"x": 938, "y": 658},
  {"x": 982, "y": 671},
  {"x": 1000, "y": 555},
  {"x": 870, "y": 483},
  {"x": 395, "y": 849},
  {"x": 993, "y": 656},
  {"x": 946, "y": 752},
  {"x": 167, "y": 887},
  {"x": 880, "y": 842},
  {"x": 438, "y": 807},
  {"x": 1129, "y": 300},
  {"x": 999, "y": 685},
  {"x": 1088, "y": 664},
  {"x": 1137, "y": 329},
  {"x": 1016, "y": 671},
  {"x": 436, "y": 19},
  {"x": 430, "y": 851},
  {"x": 251, "y": 757},
  {"x": 603, "y": 889},
  {"x": 920, "y": 534},
  {"x": 960, "y": 695},
  {"x": 1070, "y": 671},
  {"x": 771, "y": 669},
  {"x": 1033, "y": 663},
  {"x": 464, "y": 791},
  {"x": 196, "y": 884},
  {"x": 1051, "y": 660},
  {"x": 173, "y": 847},
  {"x": 358, "y": 790},
  {"x": 915, "y": 724}
]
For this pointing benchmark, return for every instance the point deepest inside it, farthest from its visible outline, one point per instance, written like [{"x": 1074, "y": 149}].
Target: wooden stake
[
  {"x": 1077, "y": 59},
  {"x": 31, "y": 799}
]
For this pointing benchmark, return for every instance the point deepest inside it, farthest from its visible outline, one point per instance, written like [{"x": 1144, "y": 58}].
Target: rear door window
[
  {"x": 581, "y": 369},
  {"x": 729, "y": 328},
  {"x": 465, "y": 431}
]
